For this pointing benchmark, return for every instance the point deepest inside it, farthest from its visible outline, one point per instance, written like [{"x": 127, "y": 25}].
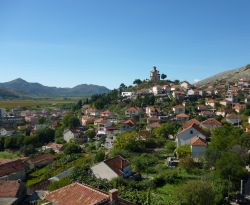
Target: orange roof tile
[
  {"x": 196, "y": 141},
  {"x": 189, "y": 123},
  {"x": 9, "y": 188}
]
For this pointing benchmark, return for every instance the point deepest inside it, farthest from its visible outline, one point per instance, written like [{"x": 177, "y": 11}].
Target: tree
[
  {"x": 187, "y": 163},
  {"x": 100, "y": 156},
  {"x": 90, "y": 133},
  {"x": 184, "y": 151},
  {"x": 137, "y": 82},
  {"x": 71, "y": 148},
  {"x": 196, "y": 193},
  {"x": 166, "y": 129},
  {"x": 163, "y": 76},
  {"x": 71, "y": 121}
]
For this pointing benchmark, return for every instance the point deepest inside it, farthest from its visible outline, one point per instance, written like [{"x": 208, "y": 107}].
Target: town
[{"x": 156, "y": 142}]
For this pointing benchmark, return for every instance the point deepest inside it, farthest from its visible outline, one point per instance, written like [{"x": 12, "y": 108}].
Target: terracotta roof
[
  {"x": 10, "y": 166},
  {"x": 55, "y": 145},
  {"x": 129, "y": 122},
  {"x": 190, "y": 123},
  {"x": 9, "y": 188},
  {"x": 211, "y": 121},
  {"x": 154, "y": 118},
  {"x": 80, "y": 194},
  {"x": 181, "y": 115},
  {"x": 101, "y": 120},
  {"x": 77, "y": 194},
  {"x": 42, "y": 158},
  {"x": 117, "y": 164},
  {"x": 196, "y": 141},
  {"x": 232, "y": 116}
]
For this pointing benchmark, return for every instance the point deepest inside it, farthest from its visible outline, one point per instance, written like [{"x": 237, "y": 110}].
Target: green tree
[
  {"x": 137, "y": 82},
  {"x": 100, "y": 156},
  {"x": 196, "y": 193},
  {"x": 71, "y": 148},
  {"x": 184, "y": 151},
  {"x": 163, "y": 76},
  {"x": 71, "y": 121}
]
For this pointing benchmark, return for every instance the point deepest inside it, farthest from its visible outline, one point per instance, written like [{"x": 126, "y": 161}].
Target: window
[{"x": 191, "y": 132}]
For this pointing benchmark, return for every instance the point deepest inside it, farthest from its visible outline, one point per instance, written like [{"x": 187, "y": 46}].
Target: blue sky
[{"x": 107, "y": 42}]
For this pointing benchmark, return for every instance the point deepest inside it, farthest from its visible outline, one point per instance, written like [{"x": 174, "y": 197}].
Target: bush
[{"x": 71, "y": 148}]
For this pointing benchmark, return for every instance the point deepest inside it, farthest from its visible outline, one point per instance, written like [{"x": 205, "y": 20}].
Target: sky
[{"x": 108, "y": 42}]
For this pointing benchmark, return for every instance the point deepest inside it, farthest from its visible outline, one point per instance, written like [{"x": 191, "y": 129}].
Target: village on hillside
[{"x": 154, "y": 143}]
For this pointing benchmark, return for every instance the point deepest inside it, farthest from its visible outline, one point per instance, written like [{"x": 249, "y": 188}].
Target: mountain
[
  {"x": 230, "y": 75},
  {"x": 22, "y": 88}
]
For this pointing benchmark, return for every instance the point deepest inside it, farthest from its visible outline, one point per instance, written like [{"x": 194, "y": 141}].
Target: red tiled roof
[
  {"x": 133, "y": 109},
  {"x": 117, "y": 164},
  {"x": 211, "y": 121},
  {"x": 129, "y": 122},
  {"x": 197, "y": 127},
  {"x": 42, "y": 158},
  {"x": 9, "y": 188},
  {"x": 10, "y": 166},
  {"x": 80, "y": 194},
  {"x": 232, "y": 116},
  {"x": 189, "y": 123},
  {"x": 55, "y": 145},
  {"x": 196, "y": 141}
]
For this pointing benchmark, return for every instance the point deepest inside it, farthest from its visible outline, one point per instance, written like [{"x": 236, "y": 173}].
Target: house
[
  {"x": 92, "y": 112},
  {"x": 238, "y": 107},
  {"x": 201, "y": 108},
  {"x": 101, "y": 122},
  {"x": 186, "y": 85},
  {"x": 153, "y": 119},
  {"x": 12, "y": 192},
  {"x": 225, "y": 103},
  {"x": 190, "y": 123},
  {"x": 53, "y": 146},
  {"x": 80, "y": 194},
  {"x": 233, "y": 119},
  {"x": 107, "y": 114},
  {"x": 182, "y": 117},
  {"x": 179, "y": 95},
  {"x": 7, "y": 131},
  {"x": 185, "y": 136},
  {"x": 211, "y": 102},
  {"x": 221, "y": 113},
  {"x": 210, "y": 123},
  {"x": 40, "y": 160},
  {"x": 133, "y": 111},
  {"x": 127, "y": 94},
  {"x": 12, "y": 169},
  {"x": 109, "y": 142},
  {"x": 112, "y": 168},
  {"x": 157, "y": 89},
  {"x": 178, "y": 109},
  {"x": 86, "y": 120},
  {"x": 193, "y": 92},
  {"x": 152, "y": 111},
  {"x": 70, "y": 134},
  {"x": 127, "y": 125},
  {"x": 198, "y": 147},
  {"x": 207, "y": 114}
]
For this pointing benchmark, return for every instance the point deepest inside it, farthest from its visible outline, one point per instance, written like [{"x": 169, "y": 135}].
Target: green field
[
  {"x": 8, "y": 155},
  {"x": 36, "y": 102}
]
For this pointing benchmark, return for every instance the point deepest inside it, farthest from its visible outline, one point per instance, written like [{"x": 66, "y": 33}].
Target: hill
[
  {"x": 231, "y": 75},
  {"x": 22, "y": 88}
]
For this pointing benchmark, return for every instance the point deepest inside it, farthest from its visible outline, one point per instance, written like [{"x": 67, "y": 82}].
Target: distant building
[
  {"x": 154, "y": 74},
  {"x": 2, "y": 112}
]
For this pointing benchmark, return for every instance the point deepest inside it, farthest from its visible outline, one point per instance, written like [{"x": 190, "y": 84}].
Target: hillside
[
  {"x": 231, "y": 75},
  {"x": 22, "y": 88}
]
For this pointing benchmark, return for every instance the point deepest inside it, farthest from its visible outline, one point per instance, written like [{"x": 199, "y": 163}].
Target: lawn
[
  {"x": 8, "y": 104},
  {"x": 8, "y": 155}
]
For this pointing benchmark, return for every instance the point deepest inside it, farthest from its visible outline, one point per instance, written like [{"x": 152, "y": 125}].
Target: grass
[
  {"x": 8, "y": 155},
  {"x": 8, "y": 104}
]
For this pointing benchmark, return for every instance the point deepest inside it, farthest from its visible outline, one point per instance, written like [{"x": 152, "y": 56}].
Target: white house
[
  {"x": 127, "y": 94},
  {"x": 2, "y": 112},
  {"x": 185, "y": 136},
  {"x": 198, "y": 147},
  {"x": 112, "y": 168},
  {"x": 186, "y": 85},
  {"x": 178, "y": 109},
  {"x": 70, "y": 134}
]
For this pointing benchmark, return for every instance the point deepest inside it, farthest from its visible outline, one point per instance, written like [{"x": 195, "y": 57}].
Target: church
[{"x": 154, "y": 74}]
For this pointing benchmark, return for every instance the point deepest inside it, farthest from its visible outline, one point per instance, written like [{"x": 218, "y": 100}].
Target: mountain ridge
[
  {"x": 231, "y": 75},
  {"x": 22, "y": 88}
]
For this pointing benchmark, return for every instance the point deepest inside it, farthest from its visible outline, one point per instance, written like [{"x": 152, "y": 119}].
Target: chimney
[{"x": 113, "y": 196}]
